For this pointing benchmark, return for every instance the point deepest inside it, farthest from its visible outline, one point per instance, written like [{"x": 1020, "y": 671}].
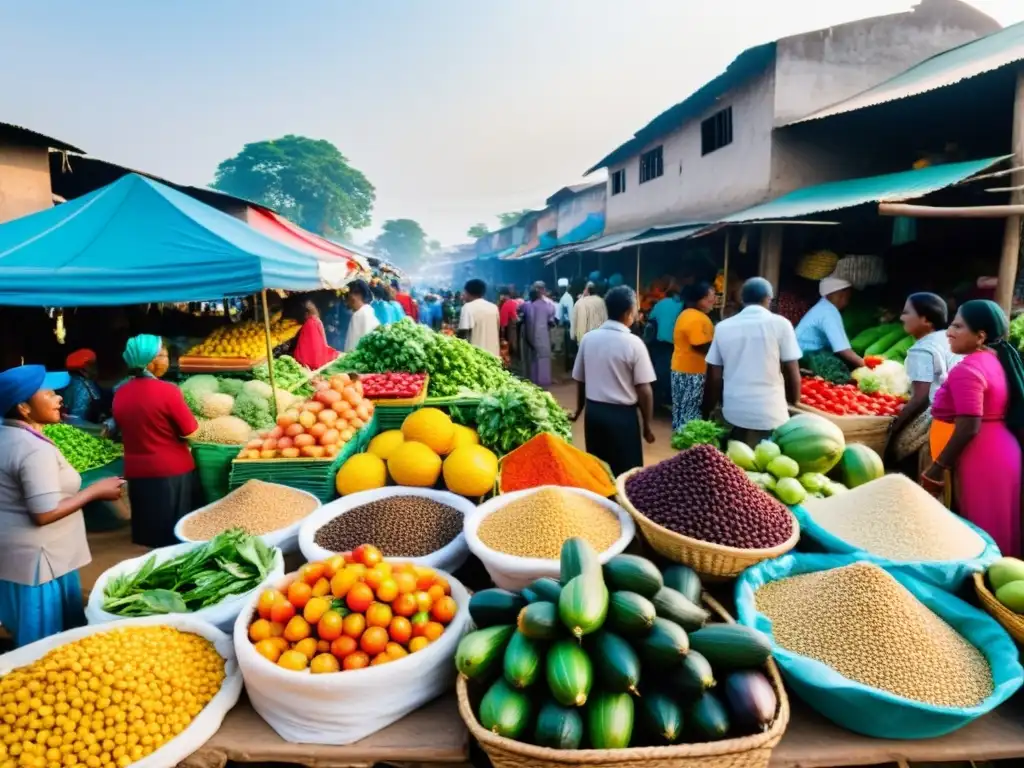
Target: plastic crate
[{"x": 213, "y": 465}]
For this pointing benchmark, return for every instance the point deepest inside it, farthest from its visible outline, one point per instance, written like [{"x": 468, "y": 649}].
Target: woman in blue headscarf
[{"x": 155, "y": 422}]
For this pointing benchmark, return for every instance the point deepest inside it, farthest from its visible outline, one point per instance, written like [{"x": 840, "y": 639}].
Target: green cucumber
[
  {"x": 546, "y": 589},
  {"x": 630, "y": 614},
  {"x": 610, "y": 720},
  {"x": 523, "y": 658},
  {"x": 558, "y": 727},
  {"x": 731, "y": 646},
  {"x": 530, "y": 596},
  {"x": 539, "y": 621},
  {"x": 479, "y": 651},
  {"x": 661, "y": 717},
  {"x": 630, "y": 573},
  {"x": 578, "y": 557},
  {"x": 569, "y": 673},
  {"x": 674, "y": 606},
  {"x": 665, "y": 645},
  {"x": 694, "y": 676},
  {"x": 583, "y": 604},
  {"x": 495, "y": 606},
  {"x": 684, "y": 580},
  {"x": 616, "y": 664},
  {"x": 709, "y": 719},
  {"x": 505, "y": 711}
]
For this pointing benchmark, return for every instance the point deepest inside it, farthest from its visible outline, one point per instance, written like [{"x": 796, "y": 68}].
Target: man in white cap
[{"x": 821, "y": 329}]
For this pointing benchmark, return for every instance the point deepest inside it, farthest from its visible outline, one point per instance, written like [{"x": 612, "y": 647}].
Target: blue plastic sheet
[
  {"x": 871, "y": 711},
  {"x": 947, "y": 574}
]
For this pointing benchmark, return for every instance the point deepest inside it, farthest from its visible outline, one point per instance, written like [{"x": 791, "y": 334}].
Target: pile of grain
[
  {"x": 256, "y": 507},
  {"x": 869, "y": 628},
  {"x": 895, "y": 518},
  {"x": 399, "y": 526}
]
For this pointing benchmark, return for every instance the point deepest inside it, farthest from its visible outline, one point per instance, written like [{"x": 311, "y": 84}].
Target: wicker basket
[
  {"x": 712, "y": 561},
  {"x": 744, "y": 752},
  {"x": 1012, "y": 622},
  {"x": 872, "y": 431}
]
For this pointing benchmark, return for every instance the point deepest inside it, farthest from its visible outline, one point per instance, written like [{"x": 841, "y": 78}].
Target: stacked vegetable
[
  {"x": 613, "y": 657},
  {"x": 1006, "y": 578},
  {"x": 246, "y": 339},
  {"x": 886, "y": 377},
  {"x": 82, "y": 450},
  {"x": 518, "y": 412},
  {"x": 699, "y": 432},
  {"x": 888, "y": 341},
  {"x": 212, "y": 397},
  {"x": 849, "y": 399},
  {"x": 289, "y": 375},
  {"x": 389, "y": 386}
]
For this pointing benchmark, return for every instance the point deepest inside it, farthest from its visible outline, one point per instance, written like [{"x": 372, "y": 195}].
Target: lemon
[
  {"x": 464, "y": 436},
  {"x": 470, "y": 470},
  {"x": 385, "y": 443},
  {"x": 414, "y": 464},
  {"x": 362, "y": 472},
  {"x": 431, "y": 427}
]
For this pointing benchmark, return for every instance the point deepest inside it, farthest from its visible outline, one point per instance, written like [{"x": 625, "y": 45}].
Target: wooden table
[{"x": 432, "y": 735}]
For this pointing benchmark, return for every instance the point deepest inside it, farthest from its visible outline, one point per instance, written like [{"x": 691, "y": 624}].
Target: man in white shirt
[
  {"x": 363, "y": 319},
  {"x": 753, "y": 366},
  {"x": 565, "y": 307},
  {"x": 479, "y": 322},
  {"x": 590, "y": 311},
  {"x": 613, "y": 374}
]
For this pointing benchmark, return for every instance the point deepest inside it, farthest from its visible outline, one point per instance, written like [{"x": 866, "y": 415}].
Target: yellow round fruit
[
  {"x": 385, "y": 443},
  {"x": 470, "y": 470},
  {"x": 414, "y": 464},
  {"x": 431, "y": 427},
  {"x": 362, "y": 472},
  {"x": 464, "y": 436}
]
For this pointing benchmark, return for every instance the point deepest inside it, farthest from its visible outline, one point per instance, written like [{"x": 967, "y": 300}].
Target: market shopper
[
  {"x": 311, "y": 347},
  {"x": 614, "y": 374},
  {"x": 981, "y": 408},
  {"x": 83, "y": 399},
  {"x": 538, "y": 316},
  {"x": 479, "y": 322},
  {"x": 692, "y": 334},
  {"x": 155, "y": 422},
  {"x": 42, "y": 529},
  {"x": 363, "y": 318},
  {"x": 590, "y": 311},
  {"x": 405, "y": 301},
  {"x": 661, "y": 323},
  {"x": 753, "y": 367},
  {"x": 822, "y": 327},
  {"x": 385, "y": 308}
]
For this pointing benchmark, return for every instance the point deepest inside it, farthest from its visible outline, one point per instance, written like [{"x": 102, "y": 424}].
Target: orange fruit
[
  {"x": 259, "y": 630},
  {"x": 356, "y": 660},
  {"x": 343, "y": 646},
  {"x": 322, "y": 587},
  {"x": 444, "y": 609},
  {"x": 418, "y": 644},
  {"x": 268, "y": 649},
  {"x": 282, "y": 611},
  {"x": 444, "y": 585},
  {"x": 324, "y": 663},
  {"x": 395, "y": 651},
  {"x": 267, "y": 601},
  {"x": 423, "y": 601},
  {"x": 293, "y": 660},
  {"x": 329, "y": 626},
  {"x": 425, "y": 577},
  {"x": 299, "y": 593},
  {"x": 378, "y": 615},
  {"x": 311, "y": 573},
  {"x": 400, "y": 629},
  {"x": 433, "y": 630},
  {"x": 280, "y": 643},
  {"x": 333, "y": 564},
  {"x": 380, "y": 658},
  {"x": 315, "y": 608},
  {"x": 436, "y": 592},
  {"x": 374, "y": 577},
  {"x": 359, "y": 598},
  {"x": 322, "y": 646},
  {"x": 343, "y": 581},
  {"x": 296, "y": 629},
  {"x": 374, "y": 640},
  {"x": 306, "y": 647},
  {"x": 404, "y": 605},
  {"x": 387, "y": 591},
  {"x": 367, "y": 554},
  {"x": 276, "y": 629},
  {"x": 353, "y": 625}
]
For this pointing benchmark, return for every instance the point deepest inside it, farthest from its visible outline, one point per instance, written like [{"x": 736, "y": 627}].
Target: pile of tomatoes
[
  {"x": 352, "y": 611},
  {"x": 846, "y": 399},
  {"x": 384, "y": 386}
]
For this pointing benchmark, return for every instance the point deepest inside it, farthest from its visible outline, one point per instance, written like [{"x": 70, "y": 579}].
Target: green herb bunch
[{"x": 699, "y": 432}]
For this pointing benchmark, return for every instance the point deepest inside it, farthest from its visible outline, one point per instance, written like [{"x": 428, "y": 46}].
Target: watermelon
[
  {"x": 812, "y": 441},
  {"x": 858, "y": 465}
]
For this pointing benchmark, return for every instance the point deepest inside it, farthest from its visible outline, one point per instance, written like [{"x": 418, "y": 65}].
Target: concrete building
[
  {"x": 580, "y": 212},
  {"x": 25, "y": 170},
  {"x": 717, "y": 151}
]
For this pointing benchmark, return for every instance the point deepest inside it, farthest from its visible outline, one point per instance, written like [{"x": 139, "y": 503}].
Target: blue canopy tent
[{"x": 137, "y": 241}]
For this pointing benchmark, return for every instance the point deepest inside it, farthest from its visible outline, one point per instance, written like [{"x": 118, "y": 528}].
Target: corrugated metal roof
[
  {"x": 33, "y": 138},
  {"x": 590, "y": 245},
  {"x": 657, "y": 235},
  {"x": 969, "y": 60},
  {"x": 835, "y": 195}
]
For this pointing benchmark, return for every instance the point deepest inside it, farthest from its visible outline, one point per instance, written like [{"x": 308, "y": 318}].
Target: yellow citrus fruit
[
  {"x": 464, "y": 436},
  {"x": 384, "y": 444},
  {"x": 362, "y": 472},
  {"x": 470, "y": 470},
  {"x": 431, "y": 427},
  {"x": 414, "y": 464}
]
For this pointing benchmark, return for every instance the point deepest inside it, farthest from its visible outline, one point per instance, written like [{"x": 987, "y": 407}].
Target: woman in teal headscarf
[{"x": 155, "y": 422}]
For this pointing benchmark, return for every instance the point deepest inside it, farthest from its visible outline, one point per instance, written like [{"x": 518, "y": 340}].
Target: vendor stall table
[{"x": 432, "y": 735}]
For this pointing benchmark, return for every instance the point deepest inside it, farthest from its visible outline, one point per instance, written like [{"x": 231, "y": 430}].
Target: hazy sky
[{"x": 454, "y": 109}]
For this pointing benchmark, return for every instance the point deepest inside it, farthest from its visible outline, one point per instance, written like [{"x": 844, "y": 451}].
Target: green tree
[
  {"x": 402, "y": 241},
  {"x": 477, "y": 231},
  {"x": 306, "y": 180},
  {"x": 510, "y": 218}
]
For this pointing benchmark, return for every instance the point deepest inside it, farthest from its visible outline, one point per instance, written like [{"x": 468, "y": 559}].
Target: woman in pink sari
[
  {"x": 311, "y": 348},
  {"x": 983, "y": 398}
]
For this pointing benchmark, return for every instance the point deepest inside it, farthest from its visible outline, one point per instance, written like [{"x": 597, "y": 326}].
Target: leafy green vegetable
[
  {"x": 699, "y": 432},
  {"x": 232, "y": 563},
  {"x": 510, "y": 417},
  {"x": 289, "y": 375},
  {"x": 827, "y": 366},
  {"x": 82, "y": 450},
  {"x": 1017, "y": 332}
]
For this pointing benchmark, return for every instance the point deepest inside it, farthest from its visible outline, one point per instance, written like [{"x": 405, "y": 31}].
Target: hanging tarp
[
  {"x": 137, "y": 241},
  {"x": 294, "y": 236}
]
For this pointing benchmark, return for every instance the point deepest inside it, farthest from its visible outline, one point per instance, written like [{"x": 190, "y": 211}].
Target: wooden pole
[
  {"x": 725, "y": 276},
  {"x": 270, "y": 355},
  {"x": 966, "y": 212},
  {"x": 770, "y": 262},
  {"x": 1011, "y": 235},
  {"x": 638, "y": 249}
]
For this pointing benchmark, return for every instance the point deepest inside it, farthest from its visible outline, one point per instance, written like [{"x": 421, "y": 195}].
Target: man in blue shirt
[
  {"x": 664, "y": 315},
  {"x": 821, "y": 329}
]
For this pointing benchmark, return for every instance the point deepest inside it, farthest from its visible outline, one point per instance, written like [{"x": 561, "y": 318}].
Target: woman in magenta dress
[{"x": 983, "y": 398}]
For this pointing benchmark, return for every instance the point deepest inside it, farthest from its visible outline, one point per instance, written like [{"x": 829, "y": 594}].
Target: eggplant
[{"x": 751, "y": 699}]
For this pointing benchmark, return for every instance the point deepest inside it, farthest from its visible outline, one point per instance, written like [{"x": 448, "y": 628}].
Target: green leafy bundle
[
  {"x": 507, "y": 419},
  {"x": 232, "y": 563},
  {"x": 827, "y": 366},
  {"x": 1017, "y": 332},
  {"x": 699, "y": 432},
  {"x": 289, "y": 375},
  {"x": 82, "y": 450}
]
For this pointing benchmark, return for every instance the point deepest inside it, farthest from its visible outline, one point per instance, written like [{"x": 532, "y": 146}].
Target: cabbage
[
  {"x": 226, "y": 430},
  {"x": 231, "y": 387},
  {"x": 200, "y": 384},
  {"x": 888, "y": 377},
  {"x": 257, "y": 389},
  {"x": 216, "y": 404},
  {"x": 869, "y": 383},
  {"x": 253, "y": 410}
]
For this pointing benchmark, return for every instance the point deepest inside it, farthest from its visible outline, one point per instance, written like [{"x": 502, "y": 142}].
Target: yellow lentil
[
  {"x": 256, "y": 507},
  {"x": 869, "y": 628},
  {"x": 538, "y": 524}
]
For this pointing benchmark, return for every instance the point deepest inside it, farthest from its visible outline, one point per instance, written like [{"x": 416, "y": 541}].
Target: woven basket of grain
[
  {"x": 817, "y": 265},
  {"x": 713, "y": 561},
  {"x": 1012, "y": 622},
  {"x": 872, "y": 431},
  {"x": 743, "y": 752}
]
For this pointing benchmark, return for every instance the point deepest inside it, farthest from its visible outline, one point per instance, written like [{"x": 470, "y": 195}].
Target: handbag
[{"x": 912, "y": 437}]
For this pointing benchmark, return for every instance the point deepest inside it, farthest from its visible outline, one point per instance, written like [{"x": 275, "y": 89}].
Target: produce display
[
  {"x": 701, "y": 494},
  {"x": 791, "y": 307},
  {"x": 586, "y": 661},
  {"x": 318, "y": 428},
  {"x": 224, "y": 430},
  {"x": 895, "y": 518},
  {"x": 888, "y": 341},
  {"x": 780, "y": 475},
  {"x": 82, "y": 450},
  {"x": 399, "y": 526},
  {"x": 863, "y": 623},
  {"x": 232, "y": 563},
  {"x": 699, "y": 432},
  {"x": 256, "y": 507},
  {"x": 519, "y": 411},
  {"x": 538, "y": 524},
  {"x": 289, "y": 375},
  {"x": 246, "y": 339},
  {"x": 212, "y": 397},
  {"x": 847, "y": 399},
  {"x": 352, "y": 611},
  {"x": 825, "y": 365},
  {"x": 1006, "y": 578},
  {"x": 548, "y": 460},
  {"x": 110, "y": 712},
  {"x": 390, "y": 386},
  {"x": 885, "y": 377}
]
